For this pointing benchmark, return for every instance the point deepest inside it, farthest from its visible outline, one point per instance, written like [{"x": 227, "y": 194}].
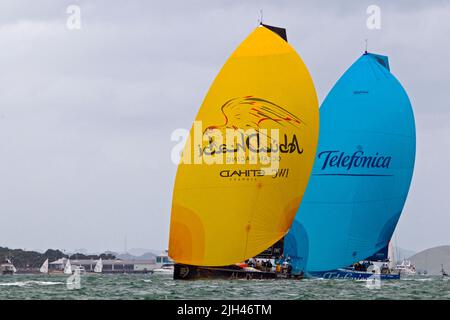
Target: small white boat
[
  {"x": 165, "y": 269},
  {"x": 7, "y": 267},
  {"x": 163, "y": 259},
  {"x": 165, "y": 264},
  {"x": 406, "y": 268}
]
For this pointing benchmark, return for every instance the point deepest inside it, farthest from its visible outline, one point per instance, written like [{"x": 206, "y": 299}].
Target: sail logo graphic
[
  {"x": 249, "y": 133},
  {"x": 335, "y": 159},
  {"x": 252, "y": 112},
  {"x": 246, "y": 119},
  {"x": 251, "y": 141},
  {"x": 278, "y": 173}
]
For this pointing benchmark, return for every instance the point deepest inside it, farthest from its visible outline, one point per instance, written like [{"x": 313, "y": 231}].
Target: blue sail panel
[
  {"x": 362, "y": 171},
  {"x": 380, "y": 255}
]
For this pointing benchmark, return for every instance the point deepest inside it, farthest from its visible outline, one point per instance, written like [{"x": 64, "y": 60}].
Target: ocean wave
[
  {"x": 13, "y": 284},
  {"x": 45, "y": 283},
  {"x": 30, "y": 283},
  {"x": 417, "y": 279}
]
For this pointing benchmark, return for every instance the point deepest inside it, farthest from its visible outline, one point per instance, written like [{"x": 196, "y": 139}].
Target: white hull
[
  {"x": 406, "y": 268},
  {"x": 407, "y": 272},
  {"x": 163, "y": 271}
]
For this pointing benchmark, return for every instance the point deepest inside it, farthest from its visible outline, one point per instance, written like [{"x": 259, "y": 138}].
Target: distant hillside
[
  {"x": 33, "y": 259},
  {"x": 142, "y": 251},
  {"x": 145, "y": 256},
  {"x": 139, "y": 254},
  {"x": 29, "y": 259},
  {"x": 430, "y": 260},
  {"x": 401, "y": 253}
]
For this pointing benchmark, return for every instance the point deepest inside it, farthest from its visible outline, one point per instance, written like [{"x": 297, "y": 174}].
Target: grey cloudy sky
[{"x": 86, "y": 115}]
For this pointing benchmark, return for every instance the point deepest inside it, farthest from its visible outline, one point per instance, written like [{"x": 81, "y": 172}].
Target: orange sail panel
[{"x": 226, "y": 212}]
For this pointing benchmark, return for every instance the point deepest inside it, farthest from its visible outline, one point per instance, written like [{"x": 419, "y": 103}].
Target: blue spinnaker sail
[
  {"x": 380, "y": 255},
  {"x": 362, "y": 171}
]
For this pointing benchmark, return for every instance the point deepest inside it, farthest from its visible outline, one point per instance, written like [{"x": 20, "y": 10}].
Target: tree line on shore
[{"x": 33, "y": 259}]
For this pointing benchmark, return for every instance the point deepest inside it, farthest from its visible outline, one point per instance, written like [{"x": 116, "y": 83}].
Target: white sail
[
  {"x": 68, "y": 267},
  {"x": 14, "y": 269},
  {"x": 44, "y": 267},
  {"x": 391, "y": 256},
  {"x": 99, "y": 266}
]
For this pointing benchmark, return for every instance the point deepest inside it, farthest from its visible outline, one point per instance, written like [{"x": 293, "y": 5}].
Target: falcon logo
[
  {"x": 252, "y": 121},
  {"x": 254, "y": 113}
]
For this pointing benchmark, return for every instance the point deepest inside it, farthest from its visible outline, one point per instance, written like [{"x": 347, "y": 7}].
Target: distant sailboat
[
  {"x": 44, "y": 267},
  {"x": 406, "y": 268},
  {"x": 362, "y": 172},
  {"x": 223, "y": 214},
  {"x": 98, "y": 266},
  {"x": 68, "y": 267},
  {"x": 7, "y": 267}
]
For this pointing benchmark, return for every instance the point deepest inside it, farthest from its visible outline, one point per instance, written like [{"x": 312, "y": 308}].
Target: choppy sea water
[{"x": 164, "y": 287}]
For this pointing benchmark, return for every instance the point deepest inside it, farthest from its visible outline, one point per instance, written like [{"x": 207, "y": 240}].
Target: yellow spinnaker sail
[{"x": 226, "y": 213}]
